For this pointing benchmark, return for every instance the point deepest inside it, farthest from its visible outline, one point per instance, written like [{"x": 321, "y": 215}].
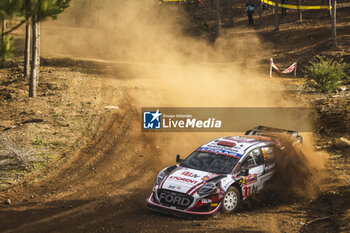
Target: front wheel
[{"x": 231, "y": 200}]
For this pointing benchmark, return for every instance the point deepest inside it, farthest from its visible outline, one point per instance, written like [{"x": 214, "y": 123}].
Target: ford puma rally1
[{"x": 220, "y": 174}]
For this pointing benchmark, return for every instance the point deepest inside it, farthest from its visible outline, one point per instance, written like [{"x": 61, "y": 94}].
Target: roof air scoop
[{"x": 226, "y": 143}]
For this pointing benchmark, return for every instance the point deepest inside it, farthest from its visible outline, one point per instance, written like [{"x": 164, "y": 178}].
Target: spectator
[
  {"x": 284, "y": 10},
  {"x": 250, "y": 11},
  {"x": 264, "y": 6}
]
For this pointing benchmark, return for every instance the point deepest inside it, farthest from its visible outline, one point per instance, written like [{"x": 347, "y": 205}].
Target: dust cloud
[
  {"x": 166, "y": 64},
  {"x": 300, "y": 170}
]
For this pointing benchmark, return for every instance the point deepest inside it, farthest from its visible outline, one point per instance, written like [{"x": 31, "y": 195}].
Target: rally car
[{"x": 217, "y": 176}]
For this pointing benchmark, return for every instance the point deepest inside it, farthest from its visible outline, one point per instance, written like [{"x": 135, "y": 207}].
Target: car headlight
[
  {"x": 160, "y": 177},
  {"x": 207, "y": 188}
]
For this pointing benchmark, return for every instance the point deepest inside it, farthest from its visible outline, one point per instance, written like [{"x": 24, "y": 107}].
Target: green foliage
[
  {"x": 6, "y": 48},
  {"x": 326, "y": 74},
  {"x": 42, "y": 9},
  {"x": 37, "y": 142},
  {"x": 35, "y": 9},
  {"x": 10, "y": 8}
]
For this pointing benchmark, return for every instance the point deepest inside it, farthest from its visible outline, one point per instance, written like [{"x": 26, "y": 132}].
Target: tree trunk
[
  {"x": 38, "y": 57},
  {"x": 276, "y": 16},
  {"x": 188, "y": 3},
  {"x": 260, "y": 12},
  {"x": 330, "y": 4},
  {"x": 210, "y": 4},
  {"x": 218, "y": 17},
  {"x": 3, "y": 29},
  {"x": 229, "y": 12},
  {"x": 334, "y": 23},
  {"x": 300, "y": 13},
  {"x": 34, "y": 75},
  {"x": 27, "y": 50}
]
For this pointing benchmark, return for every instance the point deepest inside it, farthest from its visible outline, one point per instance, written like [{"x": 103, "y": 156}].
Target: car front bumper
[{"x": 161, "y": 208}]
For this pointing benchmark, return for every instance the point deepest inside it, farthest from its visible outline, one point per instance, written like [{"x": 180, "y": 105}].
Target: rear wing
[{"x": 269, "y": 131}]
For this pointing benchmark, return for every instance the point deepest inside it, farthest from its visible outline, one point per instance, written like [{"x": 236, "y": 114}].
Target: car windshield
[{"x": 210, "y": 162}]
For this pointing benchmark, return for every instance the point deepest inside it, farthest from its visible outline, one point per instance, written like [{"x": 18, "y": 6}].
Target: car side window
[
  {"x": 267, "y": 153},
  {"x": 252, "y": 159}
]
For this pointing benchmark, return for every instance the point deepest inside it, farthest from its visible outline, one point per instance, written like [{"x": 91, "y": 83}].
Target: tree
[
  {"x": 27, "y": 50},
  {"x": 210, "y": 4},
  {"x": 276, "y": 16},
  {"x": 260, "y": 12},
  {"x": 3, "y": 28},
  {"x": 300, "y": 13},
  {"x": 38, "y": 10},
  {"x": 32, "y": 11},
  {"x": 27, "y": 40},
  {"x": 229, "y": 12},
  {"x": 35, "y": 65},
  {"x": 218, "y": 17},
  {"x": 8, "y": 9},
  {"x": 334, "y": 23}
]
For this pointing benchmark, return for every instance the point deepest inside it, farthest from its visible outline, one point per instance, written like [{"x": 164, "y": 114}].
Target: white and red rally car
[{"x": 218, "y": 175}]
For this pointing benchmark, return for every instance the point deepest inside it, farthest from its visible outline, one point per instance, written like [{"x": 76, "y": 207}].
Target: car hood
[{"x": 185, "y": 180}]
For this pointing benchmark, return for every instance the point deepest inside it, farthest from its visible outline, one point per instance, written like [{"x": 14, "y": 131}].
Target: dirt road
[{"x": 103, "y": 186}]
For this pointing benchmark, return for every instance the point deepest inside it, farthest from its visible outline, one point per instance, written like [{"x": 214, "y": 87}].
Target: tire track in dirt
[
  {"x": 110, "y": 167},
  {"x": 104, "y": 186}
]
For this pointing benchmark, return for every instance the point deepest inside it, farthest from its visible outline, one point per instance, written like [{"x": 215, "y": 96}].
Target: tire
[{"x": 231, "y": 200}]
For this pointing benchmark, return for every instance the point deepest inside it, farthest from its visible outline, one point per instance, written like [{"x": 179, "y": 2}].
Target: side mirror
[
  {"x": 244, "y": 172},
  {"x": 178, "y": 160}
]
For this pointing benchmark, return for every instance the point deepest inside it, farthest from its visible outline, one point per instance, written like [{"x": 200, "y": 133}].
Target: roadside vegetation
[
  {"x": 30, "y": 13},
  {"x": 326, "y": 74}
]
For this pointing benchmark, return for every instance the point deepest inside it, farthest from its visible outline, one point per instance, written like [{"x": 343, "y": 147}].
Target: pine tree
[{"x": 31, "y": 11}]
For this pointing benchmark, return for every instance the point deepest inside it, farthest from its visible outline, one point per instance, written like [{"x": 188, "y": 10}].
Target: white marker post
[{"x": 270, "y": 67}]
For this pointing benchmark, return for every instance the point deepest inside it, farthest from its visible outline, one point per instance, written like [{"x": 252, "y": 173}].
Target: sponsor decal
[
  {"x": 152, "y": 120},
  {"x": 220, "y": 147},
  {"x": 242, "y": 181},
  {"x": 219, "y": 151},
  {"x": 226, "y": 183},
  {"x": 174, "y": 187},
  {"x": 186, "y": 180},
  {"x": 248, "y": 190},
  {"x": 251, "y": 179},
  {"x": 174, "y": 199},
  {"x": 190, "y": 174},
  {"x": 207, "y": 177},
  {"x": 206, "y": 201}
]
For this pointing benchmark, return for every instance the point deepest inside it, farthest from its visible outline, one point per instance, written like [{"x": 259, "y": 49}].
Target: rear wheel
[{"x": 231, "y": 200}]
